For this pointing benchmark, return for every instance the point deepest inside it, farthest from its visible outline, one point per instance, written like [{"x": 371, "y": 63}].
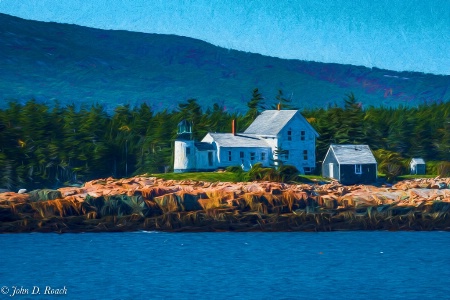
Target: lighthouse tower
[{"x": 184, "y": 149}]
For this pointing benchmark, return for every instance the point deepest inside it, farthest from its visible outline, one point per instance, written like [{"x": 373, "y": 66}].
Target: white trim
[
  {"x": 334, "y": 153},
  {"x": 325, "y": 159},
  {"x": 302, "y": 117},
  {"x": 360, "y": 169}
]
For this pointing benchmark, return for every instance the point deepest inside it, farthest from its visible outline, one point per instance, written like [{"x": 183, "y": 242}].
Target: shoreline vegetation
[
  {"x": 52, "y": 145},
  {"x": 155, "y": 204}
]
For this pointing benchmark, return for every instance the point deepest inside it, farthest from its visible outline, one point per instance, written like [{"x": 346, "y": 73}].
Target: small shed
[
  {"x": 417, "y": 166},
  {"x": 350, "y": 164}
]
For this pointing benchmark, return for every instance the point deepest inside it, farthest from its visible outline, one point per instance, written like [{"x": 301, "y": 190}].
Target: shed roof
[
  {"x": 417, "y": 161},
  {"x": 202, "y": 146},
  {"x": 271, "y": 122},
  {"x": 353, "y": 154},
  {"x": 239, "y": 140}
]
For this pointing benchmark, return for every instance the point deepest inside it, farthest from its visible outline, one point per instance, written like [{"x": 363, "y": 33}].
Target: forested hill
[{"x": 76, "y": 64}]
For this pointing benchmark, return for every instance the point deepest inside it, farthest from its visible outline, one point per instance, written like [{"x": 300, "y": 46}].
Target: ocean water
[{"x": 156, "y": 265}]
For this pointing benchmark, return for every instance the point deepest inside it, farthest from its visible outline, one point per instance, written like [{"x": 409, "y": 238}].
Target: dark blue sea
[{"x": 155, "y": 265}]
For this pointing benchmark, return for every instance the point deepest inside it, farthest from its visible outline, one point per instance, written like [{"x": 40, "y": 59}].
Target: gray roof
[
  {"x": 353, "y": 154},
  {"x": 270, "y": 122},
  {"x": 202, "y": 146},
  {"x": 418, "y": 161},
  {"x": 239, "y": 140}
]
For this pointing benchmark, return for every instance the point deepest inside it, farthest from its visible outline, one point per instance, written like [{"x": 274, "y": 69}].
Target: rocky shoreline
[{"x": 149, "y": 203}]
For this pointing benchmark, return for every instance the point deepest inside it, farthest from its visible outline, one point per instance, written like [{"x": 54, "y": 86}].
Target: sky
[{"x": 400, "y": 35}]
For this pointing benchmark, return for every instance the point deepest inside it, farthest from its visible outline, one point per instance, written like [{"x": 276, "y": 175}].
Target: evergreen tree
[
  {"x": 255, "y": 106},
  {"x": 46, "y": 147},
  {"x": 444, "y": 143},
  {"x": 400, "y": 130},
  {"x": 350, "y": 127},
  {"x": 192, "y": 112},
  {"x": 285, "y": 103},
  {"x": 376, "y": 127}
]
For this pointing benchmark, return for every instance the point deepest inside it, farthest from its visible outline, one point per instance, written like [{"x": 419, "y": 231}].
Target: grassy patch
[
  {"x": 242, "y": 177},
  {"x": 224, "y": 177},
  {"x": 201, "y": 176},
  {"x": 312, "y": 178},
  {"x": 404, "y": 177},
  {"x": 382, "y": 177}
]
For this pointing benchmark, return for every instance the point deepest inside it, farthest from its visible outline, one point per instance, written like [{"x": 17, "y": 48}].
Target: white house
[{"x": 275, "y": 135}]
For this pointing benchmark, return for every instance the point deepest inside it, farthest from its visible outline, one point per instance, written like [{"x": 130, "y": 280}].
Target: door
[
  {"x": 210, "y": 158},
  {"x": 331, "y": 170}
]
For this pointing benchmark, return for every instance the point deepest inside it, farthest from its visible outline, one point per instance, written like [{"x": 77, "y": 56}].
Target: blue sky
[{"x": 401, "y": 35}]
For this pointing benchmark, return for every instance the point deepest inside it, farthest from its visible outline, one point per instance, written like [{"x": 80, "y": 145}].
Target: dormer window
[
  {"x": 302, "y": 135},
  {"x": 289, "y": 135}
]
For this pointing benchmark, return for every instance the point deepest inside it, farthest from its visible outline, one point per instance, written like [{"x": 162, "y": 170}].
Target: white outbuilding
[
  {"x": 417, "y": 166},
  {"x": 276, "y": 136}
]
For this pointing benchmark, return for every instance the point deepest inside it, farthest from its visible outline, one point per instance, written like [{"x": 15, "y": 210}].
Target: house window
[
  {"x": 188, "y": 151},
  {"x": 210, "y": 158},
  {"x": 307, "y": 170},
  {"x": 302, "y": 135},
  {"x": 263, "y": 156},
  {"x": 252, "y": 156},
  {"x": 358, "y": 169},
  {"x": 241, "y": 154},
  {"x": 289, "y": 135},
  {"x": 229, "y": 156},
  {"x": 286, "y": 154},
  {"x": 305, "y": 154}
]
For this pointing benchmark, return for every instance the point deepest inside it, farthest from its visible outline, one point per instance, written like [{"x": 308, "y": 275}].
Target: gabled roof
[
  {"x": 418, "y": 161},
  {"x": 239, "y": 140},
  {"x": 271, "y": 122},
  {"x": 353, "y": 154}
]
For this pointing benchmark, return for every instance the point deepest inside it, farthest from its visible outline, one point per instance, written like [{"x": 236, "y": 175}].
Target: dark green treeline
[{"x": 48, "y": 146}]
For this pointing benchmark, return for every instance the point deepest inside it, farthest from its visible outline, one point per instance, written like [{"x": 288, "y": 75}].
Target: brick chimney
[{"x": 233, "y": 126}]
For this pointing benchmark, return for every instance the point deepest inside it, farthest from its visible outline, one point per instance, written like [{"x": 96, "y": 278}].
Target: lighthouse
[{"x": 184, "y": 149}]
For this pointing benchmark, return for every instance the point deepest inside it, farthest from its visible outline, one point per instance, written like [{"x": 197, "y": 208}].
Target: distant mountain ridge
[{"x": 76, "y": 64}]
